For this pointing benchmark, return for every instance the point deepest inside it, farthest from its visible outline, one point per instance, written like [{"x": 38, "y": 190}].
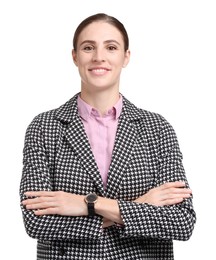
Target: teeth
[{"x": 99, "y": 70}]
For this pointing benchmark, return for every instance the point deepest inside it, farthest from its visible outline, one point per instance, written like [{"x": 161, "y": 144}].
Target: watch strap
[{"x": 91, "y": 210}]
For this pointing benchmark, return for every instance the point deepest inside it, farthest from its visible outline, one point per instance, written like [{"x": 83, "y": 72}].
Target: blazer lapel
[{"x": 76, "y": 136}]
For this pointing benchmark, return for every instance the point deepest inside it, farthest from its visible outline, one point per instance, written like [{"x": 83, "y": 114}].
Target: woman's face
[{"x": 100, "y": 56}]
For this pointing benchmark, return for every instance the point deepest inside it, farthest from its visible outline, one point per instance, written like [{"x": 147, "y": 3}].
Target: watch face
[{"x": 91, "y": 198}]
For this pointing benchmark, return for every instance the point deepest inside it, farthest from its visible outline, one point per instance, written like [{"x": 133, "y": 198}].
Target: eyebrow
[{"x": 93, "y": 42}]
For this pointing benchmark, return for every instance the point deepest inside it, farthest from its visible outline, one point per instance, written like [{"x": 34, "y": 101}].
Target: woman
[{"x": 103, "y": 179}]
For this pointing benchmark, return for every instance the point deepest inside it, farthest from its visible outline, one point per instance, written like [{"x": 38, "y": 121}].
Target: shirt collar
[{"x": 85, "y": 110}]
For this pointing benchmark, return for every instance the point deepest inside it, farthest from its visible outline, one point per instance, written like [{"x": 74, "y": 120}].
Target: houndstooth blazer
[{"x": 57, "y": 156}]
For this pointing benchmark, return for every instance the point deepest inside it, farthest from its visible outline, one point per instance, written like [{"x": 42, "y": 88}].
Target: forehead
[{"x": 100, "y": 31}]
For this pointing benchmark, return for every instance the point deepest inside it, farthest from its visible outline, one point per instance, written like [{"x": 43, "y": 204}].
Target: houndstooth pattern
[{"x": 57, "y": 156}]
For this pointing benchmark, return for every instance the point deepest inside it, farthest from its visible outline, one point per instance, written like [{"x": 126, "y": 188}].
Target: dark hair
[{"x": 101, "y": 17}]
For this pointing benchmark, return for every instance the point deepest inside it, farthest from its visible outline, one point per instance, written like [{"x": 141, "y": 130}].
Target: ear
[
  {"x": 74, "y": 57},
  {"x": 127, "y": 59}
]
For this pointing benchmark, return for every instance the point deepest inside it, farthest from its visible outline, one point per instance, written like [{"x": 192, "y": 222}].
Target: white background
[{"x": 172, "y": 71}]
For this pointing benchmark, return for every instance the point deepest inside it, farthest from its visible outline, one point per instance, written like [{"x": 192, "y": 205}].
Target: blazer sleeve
[
  {"x": 174, "y": 222},
  {"x": 37, "y": 176}
]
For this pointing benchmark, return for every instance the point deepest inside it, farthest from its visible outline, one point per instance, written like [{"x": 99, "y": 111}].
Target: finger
[
  {"x": 48, "y": 211},
  {"x": 184, "y": 191},
  {"x": 39, "y": 193},
  {"x": 170, "y": 202},
  {"x": 170, "y": 197},
  {"x": 175, "y": 184},
  {"x": 44, "y": 205},
  {"x": 177, "y": 191},
  {"x": 37, "y": 200}
]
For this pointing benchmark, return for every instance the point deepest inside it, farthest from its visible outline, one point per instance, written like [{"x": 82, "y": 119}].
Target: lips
[{"x": 99, "y": 71}]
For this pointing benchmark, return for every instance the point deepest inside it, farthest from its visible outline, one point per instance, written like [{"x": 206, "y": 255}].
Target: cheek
[
  {"x": 120, "y": 65},
  {"x": 80, "y": 65},
  {"x": 83, "y": 62},
  {"x": 122, "y": 62},
  {"x": 81, "y": 72}
]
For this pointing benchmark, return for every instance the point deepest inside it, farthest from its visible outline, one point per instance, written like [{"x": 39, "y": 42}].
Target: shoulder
[
  {"x": 154, "y": 120},
  {"x": 151, "y": 125},
  {"x": 156, "y": 130},
  {"x": 143, "y": 116}
]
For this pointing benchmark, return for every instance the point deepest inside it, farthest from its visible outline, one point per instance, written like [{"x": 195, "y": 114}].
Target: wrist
[
  {"x": 109, "y": 209},
  {"x": 91, "y": 200}
]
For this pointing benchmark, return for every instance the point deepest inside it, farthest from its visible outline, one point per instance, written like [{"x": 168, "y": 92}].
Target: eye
[
  {"x": 112, "y": 48},
  {"x": 88, "y": 48}
]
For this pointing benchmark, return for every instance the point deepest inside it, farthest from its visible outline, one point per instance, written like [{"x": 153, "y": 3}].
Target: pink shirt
[{"x": 101, "y": 132}]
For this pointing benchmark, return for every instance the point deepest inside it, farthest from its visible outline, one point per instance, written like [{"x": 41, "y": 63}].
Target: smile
[{"x": 100, "y": 71}]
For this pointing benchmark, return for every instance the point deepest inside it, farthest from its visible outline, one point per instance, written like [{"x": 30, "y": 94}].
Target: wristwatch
[{"x": 90, "y": 200}]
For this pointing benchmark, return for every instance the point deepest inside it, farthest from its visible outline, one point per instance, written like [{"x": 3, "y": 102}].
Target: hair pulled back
[{"x": 101, "y": 17}]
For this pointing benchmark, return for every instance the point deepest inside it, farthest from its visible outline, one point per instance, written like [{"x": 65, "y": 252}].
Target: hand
[
  {"x": 169, "y": 193},
  {"x": 107, "y": 223},
  {"x": 55, "y": 202}
]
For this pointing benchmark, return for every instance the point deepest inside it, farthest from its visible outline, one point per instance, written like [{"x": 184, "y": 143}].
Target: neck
[{"x": 101, "y": 100}]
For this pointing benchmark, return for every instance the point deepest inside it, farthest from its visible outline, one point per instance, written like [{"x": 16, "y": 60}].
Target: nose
[{"x": 99, "y": 55}]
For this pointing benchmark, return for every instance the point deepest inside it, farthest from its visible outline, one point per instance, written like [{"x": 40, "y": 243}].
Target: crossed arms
[{"x": 67, "y": 204}]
